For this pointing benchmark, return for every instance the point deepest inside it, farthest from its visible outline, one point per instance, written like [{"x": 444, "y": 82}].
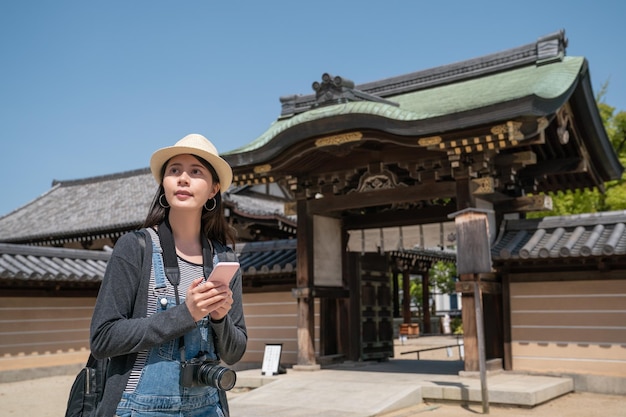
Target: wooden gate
[{"x": 371, "y": 312}]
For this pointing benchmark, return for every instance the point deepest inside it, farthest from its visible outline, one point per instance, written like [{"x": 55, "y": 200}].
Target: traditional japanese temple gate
[{"x": 495, "y": 133}]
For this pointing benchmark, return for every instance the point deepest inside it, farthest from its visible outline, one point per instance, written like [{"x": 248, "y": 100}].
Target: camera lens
[{"x": 217, "y": 376}]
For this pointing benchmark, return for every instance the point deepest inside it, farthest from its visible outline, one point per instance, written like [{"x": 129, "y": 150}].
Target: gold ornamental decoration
[
  {"x": 336, "y": 140},
  {"x": 483, "y": 185},
  {"x": 512, "y": 129},
  {"x": 429, "y": 141},
  {"x": 262, "y": 169}
]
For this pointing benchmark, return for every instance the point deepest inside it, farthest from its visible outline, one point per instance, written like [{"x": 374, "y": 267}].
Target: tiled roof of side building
[
  {"x": 253, "y": 206},
  {"x": 117, "y": 202},
  {"x": 31, "y": 264},
  {"x": 584, "y": 235},
  {"x": 262, "y": 258},
  {"x": 110, "y": 202}
]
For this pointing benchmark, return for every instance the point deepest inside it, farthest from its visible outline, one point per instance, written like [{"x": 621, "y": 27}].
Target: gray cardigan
[{"x": 120, "y": 328}]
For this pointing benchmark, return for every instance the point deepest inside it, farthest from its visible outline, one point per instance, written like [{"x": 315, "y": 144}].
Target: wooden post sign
[
  {"x": 473, "y": 257},
  {"x": 473, "y": 247},
  {"x": 271, "y": 359}
]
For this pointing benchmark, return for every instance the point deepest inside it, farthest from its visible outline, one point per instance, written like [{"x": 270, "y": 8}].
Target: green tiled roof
[
  {"x": 546, "y": 82},
  {"x": 359, "y": 107}
]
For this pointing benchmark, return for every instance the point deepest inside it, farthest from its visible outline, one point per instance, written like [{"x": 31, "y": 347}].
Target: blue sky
[{"x": 92, "y": 88}]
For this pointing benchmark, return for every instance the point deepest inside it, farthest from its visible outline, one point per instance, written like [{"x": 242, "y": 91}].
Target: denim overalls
[{"x": 159, "y": 392}]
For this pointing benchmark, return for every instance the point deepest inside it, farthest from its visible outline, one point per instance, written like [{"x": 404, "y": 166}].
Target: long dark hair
[{"x": 213, "y": 223}]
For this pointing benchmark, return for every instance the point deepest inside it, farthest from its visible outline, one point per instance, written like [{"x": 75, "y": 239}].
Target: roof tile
[
  {"x": 30, "y": 263},
  {"x": 585, "y": 235}
]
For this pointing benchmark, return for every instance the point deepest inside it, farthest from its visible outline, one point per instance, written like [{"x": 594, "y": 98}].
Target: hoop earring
[
  {"x": 165, "y": 206},
  {"x": 213, "y": 207}
]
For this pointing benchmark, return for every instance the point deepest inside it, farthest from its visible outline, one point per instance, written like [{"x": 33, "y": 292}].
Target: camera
[{"x": 199, "y": 372}]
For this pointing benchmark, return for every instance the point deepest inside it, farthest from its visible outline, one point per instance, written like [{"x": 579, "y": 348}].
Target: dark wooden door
[{"x": 371, "y": 310}]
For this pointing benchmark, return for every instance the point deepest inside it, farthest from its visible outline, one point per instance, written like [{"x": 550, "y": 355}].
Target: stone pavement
[
  {"x": 364, "y": 389},
  {"x": 370, "y": 389},
  {"x": 47, "y": 396},
  {"x": 400, "y": 387}
]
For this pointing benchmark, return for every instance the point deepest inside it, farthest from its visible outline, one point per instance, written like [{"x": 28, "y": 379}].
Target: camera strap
[{"x": 170, "y": 262}]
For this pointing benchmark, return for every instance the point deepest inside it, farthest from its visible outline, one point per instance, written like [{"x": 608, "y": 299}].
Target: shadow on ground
[{"x": 403, "y": 366}]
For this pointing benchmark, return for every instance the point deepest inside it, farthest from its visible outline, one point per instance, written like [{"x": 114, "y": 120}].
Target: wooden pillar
[
  {"x": 487, "y": 287},
  {"x": 406, "y": 298},
  {"x": 506, "y": 327},
  {"x": 468, "y": 314},
  {"x": 470, "y": 341},
  {"x": 426, "y": 302},
  {"x": 464, "y": 197},
  {"x": 304, "y": 281},
  {"x": 396, "y": 293}
]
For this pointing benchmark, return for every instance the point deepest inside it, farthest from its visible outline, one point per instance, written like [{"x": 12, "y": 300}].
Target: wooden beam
[
  {"x": 396, "y": 218},
  {"x": 516, "y": 159},
  {"x": 561, "y": 166},
  {"x": 526, "y": 204},
  {"x": 464, "y": 287},
  {"x": 321, "y": 292},
  {"x": 431, "y": 191}
]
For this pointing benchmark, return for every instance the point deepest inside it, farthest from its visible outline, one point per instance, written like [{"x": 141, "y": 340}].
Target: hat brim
[{"x": 222, "y": 168}]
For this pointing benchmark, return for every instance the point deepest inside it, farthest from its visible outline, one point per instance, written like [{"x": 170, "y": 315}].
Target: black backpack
[{"x": 87, "y": 388}]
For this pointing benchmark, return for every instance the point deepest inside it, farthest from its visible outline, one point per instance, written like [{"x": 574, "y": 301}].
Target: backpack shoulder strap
[{"x": 145, "y": 241}]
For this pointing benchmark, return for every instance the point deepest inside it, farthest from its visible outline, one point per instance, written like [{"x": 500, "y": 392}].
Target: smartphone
[{"x": 224, "y": 272}]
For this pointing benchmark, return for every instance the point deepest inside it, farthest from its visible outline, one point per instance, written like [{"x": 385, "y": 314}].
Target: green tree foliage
[
  {"x": 593, "y": 201},
  {"x": 615, "y": 125},
  {"x": 415, "y": 288},
  {"x": 442, "y": 278}
]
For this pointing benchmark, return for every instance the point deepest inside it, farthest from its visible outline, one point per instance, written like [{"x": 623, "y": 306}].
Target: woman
[{"x": 138, "y": 321}]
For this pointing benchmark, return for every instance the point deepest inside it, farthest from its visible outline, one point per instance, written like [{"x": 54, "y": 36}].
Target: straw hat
[{"x": 197, "y": 145}]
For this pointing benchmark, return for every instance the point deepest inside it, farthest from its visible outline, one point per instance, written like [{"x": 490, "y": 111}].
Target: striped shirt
[{"x": 188, "y": 273}]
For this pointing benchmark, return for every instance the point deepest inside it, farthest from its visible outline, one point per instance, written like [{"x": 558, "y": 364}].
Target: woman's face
[{"x": 188, "y": 184}]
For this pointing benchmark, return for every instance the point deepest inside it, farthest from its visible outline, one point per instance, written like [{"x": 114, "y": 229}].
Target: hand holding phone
[{"x": 203, "y": 300}]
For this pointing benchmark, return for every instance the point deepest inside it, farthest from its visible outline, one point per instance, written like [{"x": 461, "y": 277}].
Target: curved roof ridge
[
  {"x": 550, "y": 84},
  {"x": 100, "y": 178},
  {"x": 545, "y": 49}
]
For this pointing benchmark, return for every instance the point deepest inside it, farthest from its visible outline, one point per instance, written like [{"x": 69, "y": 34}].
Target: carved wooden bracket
[{"x": 383, "y": 179}]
